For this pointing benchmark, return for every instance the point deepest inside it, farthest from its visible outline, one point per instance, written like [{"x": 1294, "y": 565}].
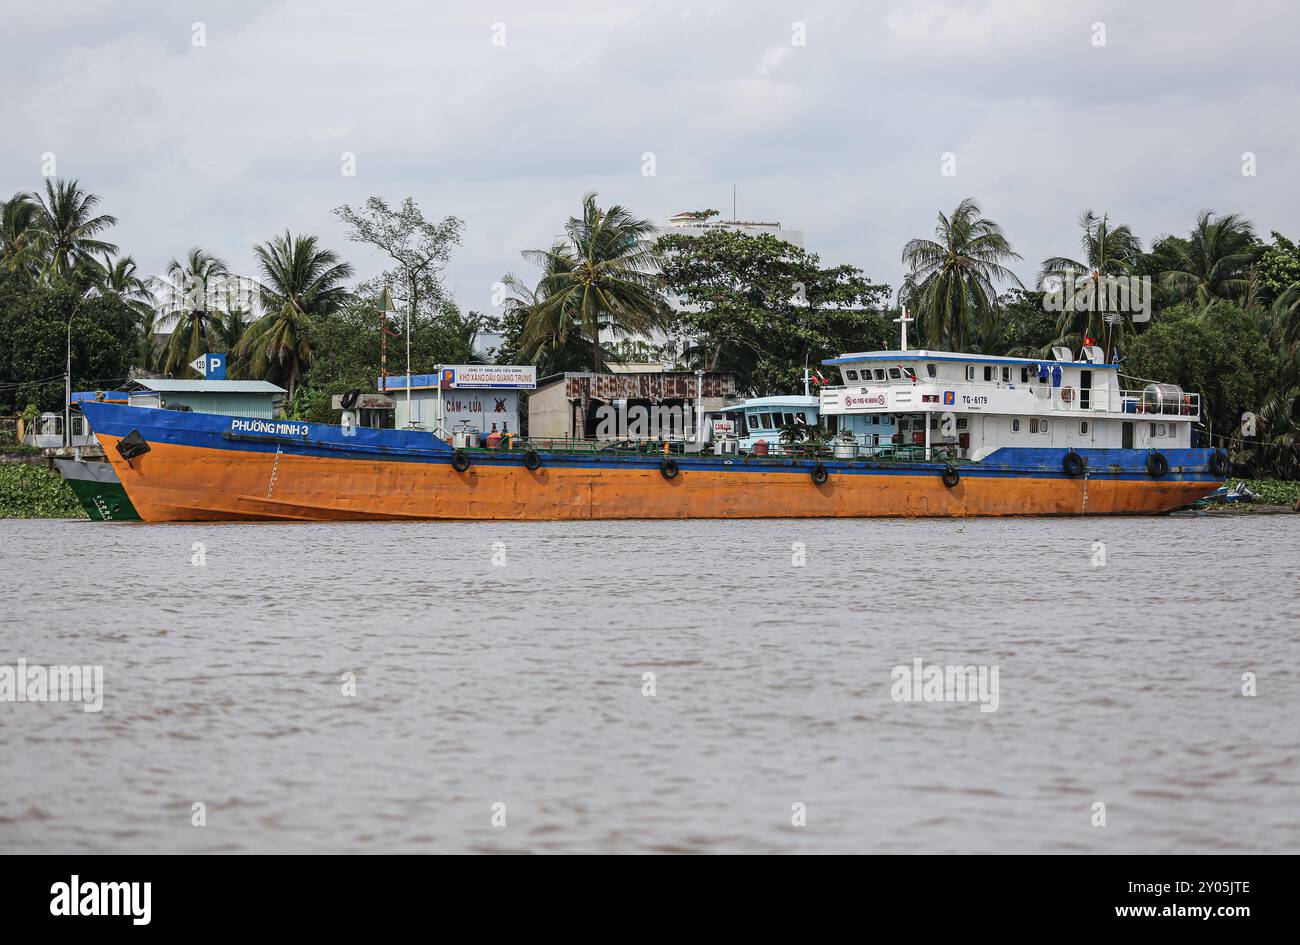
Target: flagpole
[{"x": 410, "y": 423}]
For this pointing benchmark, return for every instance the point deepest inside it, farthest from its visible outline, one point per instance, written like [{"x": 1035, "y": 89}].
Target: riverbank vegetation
[
  {"x": 32, "y": 491},
  {"x": 1222, "y": 314}
]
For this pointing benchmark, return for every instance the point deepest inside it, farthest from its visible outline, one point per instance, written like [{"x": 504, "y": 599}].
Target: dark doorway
[
  {"x": 1085, "y": 388},
  {"x": 1126, "y": 437}
]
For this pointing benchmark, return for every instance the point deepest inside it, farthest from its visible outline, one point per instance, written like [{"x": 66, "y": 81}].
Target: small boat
[{"x": 97, "y": 487}]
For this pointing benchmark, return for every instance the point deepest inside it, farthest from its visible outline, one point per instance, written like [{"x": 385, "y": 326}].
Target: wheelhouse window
[
  {"x": 1161, "y": 428},
  {"x": 1006, "y": 373},
  {"x": 962, "y": 423},
  {"x": 988, "y": 372},
  {"x": 1024, "y": 375},
  {"x": 931, "y": 370},
  {"x": 1083, "y": 427},
  {"x": 970, "y": 372},
  {"x": 895, "y": 374},
  {"x": 880, "y": 374},
  {"x": 1015, "y": 424},
  {"x": 1042, "y": 426},
  {"x": 910, "y": 374},
  {"x": 851, "y": 375}
]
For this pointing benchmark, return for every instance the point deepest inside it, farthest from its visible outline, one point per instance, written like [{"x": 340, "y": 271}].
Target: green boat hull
[{"x": 99, "y": 490}]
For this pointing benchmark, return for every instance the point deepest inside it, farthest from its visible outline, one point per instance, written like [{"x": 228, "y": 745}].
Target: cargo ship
[{"x": 974, "y": 435}]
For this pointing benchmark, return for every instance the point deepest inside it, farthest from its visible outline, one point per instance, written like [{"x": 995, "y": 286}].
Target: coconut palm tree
[
  {"x": 603, "y": 274},
  {"x": 300, "y": 281},
  {"x": 190, "y": 295},
  {"x": 68, "y": 228},
  {"x": 1108, "y": 252},
  {"x": 1214, "y": 261},
  {"x": 120, "y": 277},
  {"x": 953, "y": 288},
  {"x": 19, "y": 238}
]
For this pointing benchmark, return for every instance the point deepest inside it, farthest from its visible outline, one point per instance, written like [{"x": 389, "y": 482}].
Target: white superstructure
[{"x": 972, "y": 404}]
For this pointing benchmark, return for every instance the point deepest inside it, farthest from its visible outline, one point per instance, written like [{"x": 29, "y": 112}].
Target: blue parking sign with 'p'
[{"x": 216, "y": 367}]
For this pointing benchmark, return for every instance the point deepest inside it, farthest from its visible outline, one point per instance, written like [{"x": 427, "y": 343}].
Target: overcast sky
[{"x": 831, "y": 117}]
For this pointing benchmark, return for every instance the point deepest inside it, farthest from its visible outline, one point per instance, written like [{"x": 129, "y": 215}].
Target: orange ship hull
[{"x": 173, "y": 482}]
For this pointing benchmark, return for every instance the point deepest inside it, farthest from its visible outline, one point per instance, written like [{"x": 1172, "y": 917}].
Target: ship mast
[{"x": 904, "y": 320}]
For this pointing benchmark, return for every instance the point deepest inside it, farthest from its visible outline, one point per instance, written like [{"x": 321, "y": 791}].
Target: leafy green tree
[
  {"x": 952, "y": 289},
  {"x": 1024, "y": 328},
  {"x": 1277, "y": 268},
  {"x": 1220, "y": 350},
  {"x": 300, "y": 281},
  {"x": 763, "y": 308},
  {"x": 1214, "y": 261},
  {"x": 68, "y": 228},
  {"x": 34, "y": 323},
  {"x": 603, "y": 275}
]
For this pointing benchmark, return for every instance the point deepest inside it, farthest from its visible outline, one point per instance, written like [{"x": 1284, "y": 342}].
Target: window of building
[
  {"x": 851, "y": 375},
  {"x": 802, "y": 418},
  {"x": 1015, "y": 424},
  {"x": 789, "y": 419},
  {"x": 895, "y": 373},
  {"x": 970, "y": 372},
  {"x": 932, "y": 370}
]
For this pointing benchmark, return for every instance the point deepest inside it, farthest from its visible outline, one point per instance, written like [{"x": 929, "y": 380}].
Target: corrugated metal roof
[{"x": 167, "y": 386}]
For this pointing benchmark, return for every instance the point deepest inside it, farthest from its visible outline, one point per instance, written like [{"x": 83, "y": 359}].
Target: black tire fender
[
  {"x": 1220, "y": 466},
  {"x": 668, "y": 469},
  {"x": 951, "y": 476},
  {"x": 1157, "y": 465},
  {"x": 819, "y": 474},
  {"x": 532, "y": 460},
  {"x": 349, "y": 400},
  {"x": 459, "y": 461},
  {"x": 1073, "y": 464}
]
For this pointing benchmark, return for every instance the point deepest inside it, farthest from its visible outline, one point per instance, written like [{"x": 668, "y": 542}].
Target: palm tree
[
  {"x": 603, "y": 274},
  {"x": 19, "y": 239},
  {"x": 953, "y": 278},
  {"x": 67, "y": 228},
  {"x": 1107, "y": 252},
  {"x": 299, "y": 281},
  {"x": 1214, "y": 262},
  {"x": 120, "y": 277},
  {"x": 189, "y": 306}
]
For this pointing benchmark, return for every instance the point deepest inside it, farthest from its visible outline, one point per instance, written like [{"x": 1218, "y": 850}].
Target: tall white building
[{"x": 690, "y": 224}]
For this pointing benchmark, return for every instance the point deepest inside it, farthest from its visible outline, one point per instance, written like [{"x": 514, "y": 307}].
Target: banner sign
[{"x": 489, "y": 375}]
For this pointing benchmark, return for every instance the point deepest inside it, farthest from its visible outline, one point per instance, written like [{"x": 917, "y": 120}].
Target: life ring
[
  {"x": 1219, "y": 465},
  {"x": 1157, "y": 465},
  {"x": 819, "y": 474},
  {"x": 532, "y": 460},
  {"x": 1073, "y": 464},
  {"x": 349, "y": 400},
  {"x": 951, "y": 476},
  {"x": 668, "y": 469},
  {"x": 459, "y": 461},
  {"x": 1067, "y": 394}
]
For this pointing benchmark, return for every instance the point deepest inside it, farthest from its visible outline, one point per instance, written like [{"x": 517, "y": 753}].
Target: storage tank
[{"x": 1161, "y": 398}]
